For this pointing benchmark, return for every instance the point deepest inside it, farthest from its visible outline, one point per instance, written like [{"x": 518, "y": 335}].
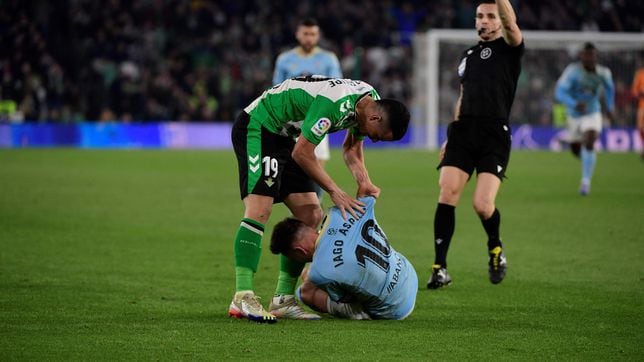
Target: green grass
[{"x": 112, "y": 255}]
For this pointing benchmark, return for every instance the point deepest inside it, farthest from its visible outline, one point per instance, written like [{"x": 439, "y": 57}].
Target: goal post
[{"x": 435, "y": 82}]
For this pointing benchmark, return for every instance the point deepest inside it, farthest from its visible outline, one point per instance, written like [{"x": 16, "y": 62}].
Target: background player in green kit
[{"x": 274, "y": 168}]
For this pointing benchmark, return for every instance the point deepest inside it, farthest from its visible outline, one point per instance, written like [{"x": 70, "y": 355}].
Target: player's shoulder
[
  {"x": 287, "y": 54},
  {"x": 603, "y": 71},
  {"x": 471, "y": 49},
  {"x": 573, "y": 68},
  {"x": 341, "y": 89},
  {"x": 326, "y": 53}
]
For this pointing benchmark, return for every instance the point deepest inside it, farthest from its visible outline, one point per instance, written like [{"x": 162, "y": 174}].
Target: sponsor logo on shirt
[{"x": 321, "y": 126}]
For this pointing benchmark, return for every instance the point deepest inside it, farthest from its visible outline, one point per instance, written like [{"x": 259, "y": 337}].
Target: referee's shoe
[
  {"x": 498, "y": 264},
  {"x": 439, "y": 277}
]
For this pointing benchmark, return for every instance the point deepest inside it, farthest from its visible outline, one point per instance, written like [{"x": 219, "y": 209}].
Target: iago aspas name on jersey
[{"x": 339, "y": 243}]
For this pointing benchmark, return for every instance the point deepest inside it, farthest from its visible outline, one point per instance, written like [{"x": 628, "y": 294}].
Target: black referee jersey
[{"x": 489, "y": 72}]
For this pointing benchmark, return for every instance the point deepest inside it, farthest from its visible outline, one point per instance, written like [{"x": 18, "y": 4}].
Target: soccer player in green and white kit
[
  {"x": 308, "y": 59},
  {"x": 274, "y": 168}
]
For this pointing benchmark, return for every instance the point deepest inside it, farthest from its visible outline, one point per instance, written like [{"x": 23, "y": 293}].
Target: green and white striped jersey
[{"x": 310, "y": 106}]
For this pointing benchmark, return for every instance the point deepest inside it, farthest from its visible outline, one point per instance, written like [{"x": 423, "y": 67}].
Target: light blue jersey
[
  {"x": 353, "y": 261},
  {"x": 578, "y": 85},
  {"x": 294, "y": 63}
]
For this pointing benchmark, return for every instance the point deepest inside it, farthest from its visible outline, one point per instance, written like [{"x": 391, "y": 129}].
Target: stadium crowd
[{"x": 149, "y": 60}]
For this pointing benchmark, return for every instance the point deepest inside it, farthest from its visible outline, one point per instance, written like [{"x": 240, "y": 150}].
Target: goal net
[{"x": 436, "y": 83}]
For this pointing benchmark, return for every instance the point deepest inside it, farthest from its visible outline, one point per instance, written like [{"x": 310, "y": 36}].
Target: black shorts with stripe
[
  {"x": 480, "y": 146},
  {"x": 264, "y": 162}
]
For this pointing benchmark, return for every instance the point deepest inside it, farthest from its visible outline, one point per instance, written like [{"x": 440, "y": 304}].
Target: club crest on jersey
[
  {"x": 321, "y": 126},
  {"x": 345, "y": 106},
  {"x": 486, "y": 53}
]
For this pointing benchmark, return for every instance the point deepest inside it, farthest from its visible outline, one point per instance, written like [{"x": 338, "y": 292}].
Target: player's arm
[
  {"x": 322, "y": 300},
  {"x": 316, "y": 298},
  {"x": 304, "y": 155},
  {"x": 609, "y": 90},
  {"x": 317, "y": 291},
  {"x": 278, "y": 74},
  {"x": 609, "y": 94},
  {"x": 334, "y": 67},
  {"x": 354, "y": 159},
  {"x": 637, "y": 89},
  {"x": 563, "y": 88},
  {"x": 511, "y": 32},
  {"x": 457, "y": 113},
  {"x": 457, "y": 106}
]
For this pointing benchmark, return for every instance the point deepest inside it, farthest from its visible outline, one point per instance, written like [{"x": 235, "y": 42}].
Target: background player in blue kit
[
  {"x": 580, "y": 88},
  {"x": 308, "y": 59},
  {"x": 354, "y": 271}
]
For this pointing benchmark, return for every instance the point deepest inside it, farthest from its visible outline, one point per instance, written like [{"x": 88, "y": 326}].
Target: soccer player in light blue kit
[
  {"x": 304, "y": 60},
  {"x": 354, "y": 271},
  {"x": 308, "y": 59},
  {"x": 580, "y": 88}
]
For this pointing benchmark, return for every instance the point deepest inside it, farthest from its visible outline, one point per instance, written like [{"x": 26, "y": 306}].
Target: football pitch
[{"x": 127, "y": 255}]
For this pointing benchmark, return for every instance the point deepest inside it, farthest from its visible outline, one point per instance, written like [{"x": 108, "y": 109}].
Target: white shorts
[
  {"x": 322, "y": 151},
  {"x": 578, "y": 125}
]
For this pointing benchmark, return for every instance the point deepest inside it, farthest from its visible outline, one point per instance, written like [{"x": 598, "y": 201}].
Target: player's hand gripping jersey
[
  {"x": 353, "y": 261},
  {"x": 312, "y": 106}
]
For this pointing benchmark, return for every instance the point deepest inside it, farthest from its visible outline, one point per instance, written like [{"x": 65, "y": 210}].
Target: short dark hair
[
  {"x": 284, "y": 233},
  {"x": 487, "y": 2},
  {"x": 589, "y": 46},
  {"x": 308, "y": 22},
  {"x": 397, "y": 116}
]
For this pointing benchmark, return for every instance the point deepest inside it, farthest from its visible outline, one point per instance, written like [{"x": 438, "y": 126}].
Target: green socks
[
  {"x": 248, "y": 249},
  {"x": 289, "y": 272}
]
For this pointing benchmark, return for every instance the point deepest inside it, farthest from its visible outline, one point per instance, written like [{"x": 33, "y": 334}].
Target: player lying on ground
[{"x": 354, "y": 272}]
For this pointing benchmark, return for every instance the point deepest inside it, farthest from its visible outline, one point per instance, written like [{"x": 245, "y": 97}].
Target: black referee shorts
[
  {"x": 264, "y": 162},
  {"x": 480, "y": 146}
]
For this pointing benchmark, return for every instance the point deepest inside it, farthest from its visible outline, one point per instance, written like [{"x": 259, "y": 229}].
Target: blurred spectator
[{"x": 199, "y": 60}]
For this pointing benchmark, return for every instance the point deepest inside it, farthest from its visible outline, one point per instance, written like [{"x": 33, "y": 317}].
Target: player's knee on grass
[
  {"x": 307, "y": 291},
  {"x": 313, "y": 296}
]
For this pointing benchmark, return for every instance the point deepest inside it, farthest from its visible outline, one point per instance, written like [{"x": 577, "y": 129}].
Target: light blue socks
[{"x": 588, "y": 161}]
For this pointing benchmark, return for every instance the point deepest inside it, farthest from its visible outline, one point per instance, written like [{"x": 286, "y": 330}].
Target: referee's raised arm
[{"x": 511, "y": 32}]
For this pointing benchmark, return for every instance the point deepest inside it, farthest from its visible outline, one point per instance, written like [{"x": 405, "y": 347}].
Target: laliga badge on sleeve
[{"x": 321, "y": 127}]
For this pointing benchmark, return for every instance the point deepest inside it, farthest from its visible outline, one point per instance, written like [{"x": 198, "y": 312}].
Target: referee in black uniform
[{"x": 479, "y": 138}]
